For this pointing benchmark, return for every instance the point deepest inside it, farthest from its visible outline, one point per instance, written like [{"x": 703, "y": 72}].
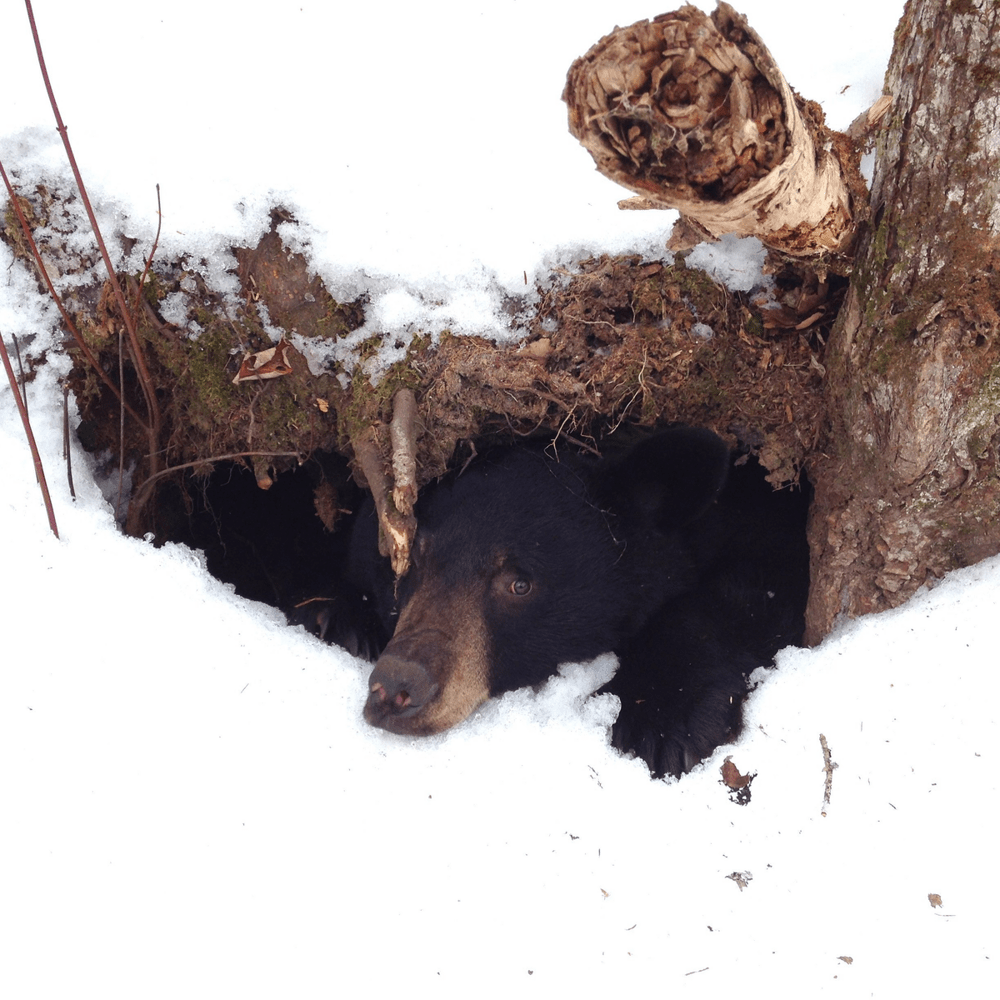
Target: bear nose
[{"x": 397, "y": 687}]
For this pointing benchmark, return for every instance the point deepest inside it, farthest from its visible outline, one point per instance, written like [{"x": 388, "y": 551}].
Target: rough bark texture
[
  {"x": 692, "y": 113},
  {"x": 908, "y": 488}
]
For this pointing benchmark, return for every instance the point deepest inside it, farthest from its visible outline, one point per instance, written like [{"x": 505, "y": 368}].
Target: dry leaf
[
  {"x": 272, "y": 363},
  {"x": 738, "y": 784}
]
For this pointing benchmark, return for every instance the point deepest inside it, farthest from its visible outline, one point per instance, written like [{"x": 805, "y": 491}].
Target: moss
[
  {"x": 13, "y": 234},
  {"x": 754, "y": 325},
  {"x": 364, "y": 404},
  {"x": 152, "y": 289},
  {"x": 339, "y": 319},
  {"x": 201, "y": 371}
]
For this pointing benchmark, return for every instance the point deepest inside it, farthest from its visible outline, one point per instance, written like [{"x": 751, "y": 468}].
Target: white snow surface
[{"x": 190, "y": 803}]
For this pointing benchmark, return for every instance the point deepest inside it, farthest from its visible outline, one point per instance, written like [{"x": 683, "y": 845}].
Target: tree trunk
[{"x": 907, "y": 486}]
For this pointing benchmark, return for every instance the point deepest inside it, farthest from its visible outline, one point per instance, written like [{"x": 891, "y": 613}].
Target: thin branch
[
  {"x": 145, "y": 380},
  {"x": 67, "y": 319},
  {"x": 67, "y": 450},
  {"x": 22, "y": 382},
  {"x": 152, "y": 252},
  {"x": 35, "y": 457},
  {"x": 142, "y": 494}
]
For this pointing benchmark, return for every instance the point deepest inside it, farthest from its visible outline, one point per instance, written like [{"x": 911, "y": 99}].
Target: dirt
[{"x": 611, "y": 345}]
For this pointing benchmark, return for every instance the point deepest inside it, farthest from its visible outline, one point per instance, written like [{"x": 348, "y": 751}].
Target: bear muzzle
[
  {"x": 400, "y": 689},
  {"x": 435, "y": 671}
]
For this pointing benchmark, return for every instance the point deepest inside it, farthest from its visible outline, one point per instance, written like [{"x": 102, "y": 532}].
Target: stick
[
  {"x": 828, "y": 767},
  {"x": 35, "y": 457}
]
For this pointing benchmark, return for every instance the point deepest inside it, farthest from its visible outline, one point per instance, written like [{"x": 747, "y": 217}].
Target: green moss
[
  {"x": 152, "y": 289},
  {"x": 339, "y": 320},
  {"x": 200, "y": 369},
  {"x": 365, "y": 404}
]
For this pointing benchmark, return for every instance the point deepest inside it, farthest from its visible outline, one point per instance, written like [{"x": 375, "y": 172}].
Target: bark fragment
[{"x": 691, "y": 112}]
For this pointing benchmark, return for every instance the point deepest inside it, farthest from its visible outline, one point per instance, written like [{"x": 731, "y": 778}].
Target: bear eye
[{"x": 520, "y": 588}]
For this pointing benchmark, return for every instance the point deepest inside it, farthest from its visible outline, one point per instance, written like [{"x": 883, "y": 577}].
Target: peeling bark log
[
  {"x": 908, "y": 488},
  {"x": 691, "y": 112}
]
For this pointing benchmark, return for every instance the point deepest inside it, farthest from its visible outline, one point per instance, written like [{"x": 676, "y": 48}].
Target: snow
[
  {"x": 190, "y": 803},
  {"x": 733, "y": 261}
]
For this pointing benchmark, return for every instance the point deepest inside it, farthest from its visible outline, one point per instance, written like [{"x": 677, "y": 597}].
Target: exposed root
[
  {"x": 403, "y": 435},
  {"x": 398, "y": 528}
]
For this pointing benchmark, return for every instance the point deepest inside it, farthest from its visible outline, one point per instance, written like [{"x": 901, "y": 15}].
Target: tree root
[{"x": 394, "y": 495}]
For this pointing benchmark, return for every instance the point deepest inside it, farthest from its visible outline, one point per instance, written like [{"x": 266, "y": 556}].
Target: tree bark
[{"x": 907, "y": 488}]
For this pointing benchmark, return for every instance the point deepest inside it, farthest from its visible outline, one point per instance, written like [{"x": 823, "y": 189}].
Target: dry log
[{"x": 691, "y": 112}]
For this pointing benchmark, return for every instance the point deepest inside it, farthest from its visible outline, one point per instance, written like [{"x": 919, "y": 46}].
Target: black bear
[{"x": 688, "y": 567}]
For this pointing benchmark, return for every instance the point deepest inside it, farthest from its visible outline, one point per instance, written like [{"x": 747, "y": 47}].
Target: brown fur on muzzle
[{"x": 435, "y": 671}]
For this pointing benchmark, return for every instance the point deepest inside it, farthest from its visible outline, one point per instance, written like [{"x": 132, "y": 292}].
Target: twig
[
  {"x": 121, "y": 426},
  {"x": 142, "y": 494},
  {"x": 145, "y": 380},
  {"x": 67, "y": 451},
  {"x": 20, "y": 369},
  {"x": 121, "y": 356},
  {"x": 67, "y": 319},
  {"x": 35, "y": 457},
  {"x": 152, "y": 251},
  {"x": 829, "y": 767}
]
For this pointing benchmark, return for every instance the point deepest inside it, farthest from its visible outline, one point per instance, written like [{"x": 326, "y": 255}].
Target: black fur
[{"x": 692, "y": 570}]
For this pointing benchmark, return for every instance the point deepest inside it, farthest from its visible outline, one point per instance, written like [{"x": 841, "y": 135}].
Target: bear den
[{"x": 676, "y": 555}]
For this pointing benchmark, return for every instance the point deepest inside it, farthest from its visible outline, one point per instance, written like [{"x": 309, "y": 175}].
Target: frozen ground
[{"x": 190, "y": 804}]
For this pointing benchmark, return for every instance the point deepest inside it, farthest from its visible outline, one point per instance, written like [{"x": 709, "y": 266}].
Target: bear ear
[{"x": 673, "y": 477}]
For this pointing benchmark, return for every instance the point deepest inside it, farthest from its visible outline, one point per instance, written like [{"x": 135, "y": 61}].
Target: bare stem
[
  {"x": 145, "y": 380},
  {"x": 67, "y": 319},
  {"x": 35, "y": 457}
]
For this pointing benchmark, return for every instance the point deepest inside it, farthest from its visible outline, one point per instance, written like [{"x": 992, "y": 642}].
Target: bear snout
[{"x": 399, "y": 689}]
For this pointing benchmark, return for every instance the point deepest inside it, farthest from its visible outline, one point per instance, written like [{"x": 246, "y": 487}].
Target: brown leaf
[
  {"x": 271, "y": 363},
  {"x": 732, "y": 777},
  {"x": 738, "y": 784}
]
